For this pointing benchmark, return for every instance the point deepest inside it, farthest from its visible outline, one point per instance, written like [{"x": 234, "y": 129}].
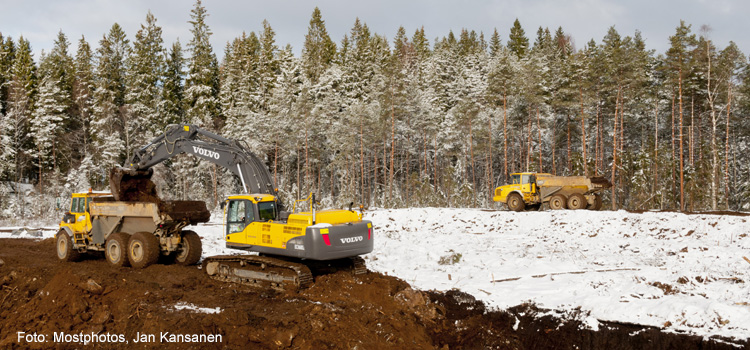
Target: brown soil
[{"x": 40, "y": 294}]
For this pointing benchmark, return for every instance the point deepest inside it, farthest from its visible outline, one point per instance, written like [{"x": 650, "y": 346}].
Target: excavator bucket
[{"x": 132, "y": 185}]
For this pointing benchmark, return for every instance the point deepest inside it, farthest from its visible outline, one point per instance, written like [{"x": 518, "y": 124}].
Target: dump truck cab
[
  {"x": 523, "y": 184},
  {"x": 78, "y": 217}
]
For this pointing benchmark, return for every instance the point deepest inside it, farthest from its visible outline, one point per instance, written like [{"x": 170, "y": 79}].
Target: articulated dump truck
[
  {"x": 131, "y": 226},
  {"x": 532, "y": 190}
]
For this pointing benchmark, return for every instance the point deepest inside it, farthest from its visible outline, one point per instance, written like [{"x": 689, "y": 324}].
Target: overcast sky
[{"x": 40, "y": 21}]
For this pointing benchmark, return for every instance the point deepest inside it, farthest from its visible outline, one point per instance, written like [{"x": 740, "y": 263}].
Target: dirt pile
[{"x": 40, "y": 295}]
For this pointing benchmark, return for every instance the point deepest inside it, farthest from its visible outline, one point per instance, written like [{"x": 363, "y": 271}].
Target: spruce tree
[
  {"x": 7, "y": 55},
  {"x": 80, "y": 121},
  {"x": 109, "y": 98},
  {"x": 202, "y": 85},
  {"x": 319, "y": 50},
  {"x": 173, "y": 90},
  {"x": 16, "y": 143},
  {"x": 518, "y": 43},
  {"x": 49, "y": 115},
  {"x": 145, "y": 71},
  {"x": 495, "y": 44}
]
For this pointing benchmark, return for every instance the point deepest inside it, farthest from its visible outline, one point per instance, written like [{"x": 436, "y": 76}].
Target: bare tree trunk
[
  {"x": 614, "y": 150},
  {"x": 299, "y": 183},
  {"x": 692, "y": 130},
  {"x": 682, "y": 165},
  {"x": 505, "y": 138},
  {"x": 714, "y": 150},
  {"x": 362, "y": 158},
  {"x": 726, "y": 152},
  {"x": 275, "y": 163},
  {"x": 393, "y": 145},
  {"x": 567, "y": 123},
  {"x": 656, "y": 145},
  {"x": 528, "y": 146},
  {"x": 471, "y": 151},
  {"x": 539, "y": 131},
  {"x": 490, "y": 172},
  {"x": 554, "y": 164},
  {"x": 583, "y": 135},
  {"x": 307, "y": 158},
  {"x": 674, "y": 152},
  {"x": 599, "y": 152}
]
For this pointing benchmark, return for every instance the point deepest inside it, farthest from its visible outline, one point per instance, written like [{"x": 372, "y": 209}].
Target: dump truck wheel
[
  {"x": 143, "y": 249},
  {"x": 515, "y": 202},
  {"x": 577, "y": 201},
  {"x": 191, "y": 249},
  {"x": 116, "y": 249},
  {"x": 558, "y": 202},
  {"x": 65, "y": 250},
  {"x": 597, "y": 202}
]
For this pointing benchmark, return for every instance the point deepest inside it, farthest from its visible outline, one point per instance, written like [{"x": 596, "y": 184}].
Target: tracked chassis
[{"x": 279, "y": 273}]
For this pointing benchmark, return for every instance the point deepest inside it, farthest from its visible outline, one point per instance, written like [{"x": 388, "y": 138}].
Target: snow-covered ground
[{"x": 680, "y": 272}]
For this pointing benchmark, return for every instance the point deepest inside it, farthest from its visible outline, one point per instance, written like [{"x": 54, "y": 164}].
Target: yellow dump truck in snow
[{"x": 531, "y": 190}]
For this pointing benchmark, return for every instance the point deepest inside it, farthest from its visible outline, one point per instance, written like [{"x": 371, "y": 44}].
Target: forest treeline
[{"x": 407, "y": 121}]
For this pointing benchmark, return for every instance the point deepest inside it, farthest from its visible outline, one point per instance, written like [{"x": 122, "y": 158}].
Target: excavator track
[{"x": 258, "y": 271}]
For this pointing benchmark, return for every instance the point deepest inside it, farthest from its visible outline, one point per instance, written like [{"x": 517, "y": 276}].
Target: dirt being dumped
[{"x": 41, "y": 296}]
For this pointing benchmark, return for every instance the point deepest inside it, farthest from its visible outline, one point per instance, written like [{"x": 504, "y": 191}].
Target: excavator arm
[{"x": 190, "y": 139}]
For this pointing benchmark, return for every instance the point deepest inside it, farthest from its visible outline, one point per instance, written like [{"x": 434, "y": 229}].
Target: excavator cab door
[{"x": 239, "y": 213}]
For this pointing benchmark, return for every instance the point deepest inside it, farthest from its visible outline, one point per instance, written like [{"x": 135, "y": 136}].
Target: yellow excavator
[{"x": 291, "y": 246}]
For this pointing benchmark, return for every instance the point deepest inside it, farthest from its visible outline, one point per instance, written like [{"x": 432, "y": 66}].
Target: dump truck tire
[
  {"x": 116, "y": 249},
  {"x": 515, "y": 202},
  {"x": 191, "y": 249},
  {"x": 64, "y": 246},
  {"x": 558, "y": 202},
  {"x": 143, "y": 249},
  {"x": 597, "y": 202},
  {"x": 577, "y": 201}
]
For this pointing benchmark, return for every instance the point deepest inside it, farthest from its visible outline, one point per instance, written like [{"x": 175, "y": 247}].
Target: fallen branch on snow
[{"x": 567, "y": 273}]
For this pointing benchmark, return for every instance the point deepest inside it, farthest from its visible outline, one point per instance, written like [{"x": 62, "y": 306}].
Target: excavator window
[
  {"x": 74, "y": 205},
  {"x": 239, "y": 214},
  {"x": 267, "y": 211}
]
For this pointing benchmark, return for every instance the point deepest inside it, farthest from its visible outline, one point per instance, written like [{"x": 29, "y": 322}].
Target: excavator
[{"x": 291, "y": 246}]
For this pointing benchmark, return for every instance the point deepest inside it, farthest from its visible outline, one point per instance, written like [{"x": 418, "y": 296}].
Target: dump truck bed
[{"x": 109, "y": 216}]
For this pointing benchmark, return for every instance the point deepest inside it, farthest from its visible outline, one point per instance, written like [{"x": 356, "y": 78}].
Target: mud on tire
[
  {"x": 515, "y": 202},
  {"x": 143, "y": 249},
  {"x": 191, "y": 249},
  {"x": 64, "y": 247},
  {"x": 577, "y": 201},
  {"x": 558, "y": 202},
  {"x": 116, "y": 249}
]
